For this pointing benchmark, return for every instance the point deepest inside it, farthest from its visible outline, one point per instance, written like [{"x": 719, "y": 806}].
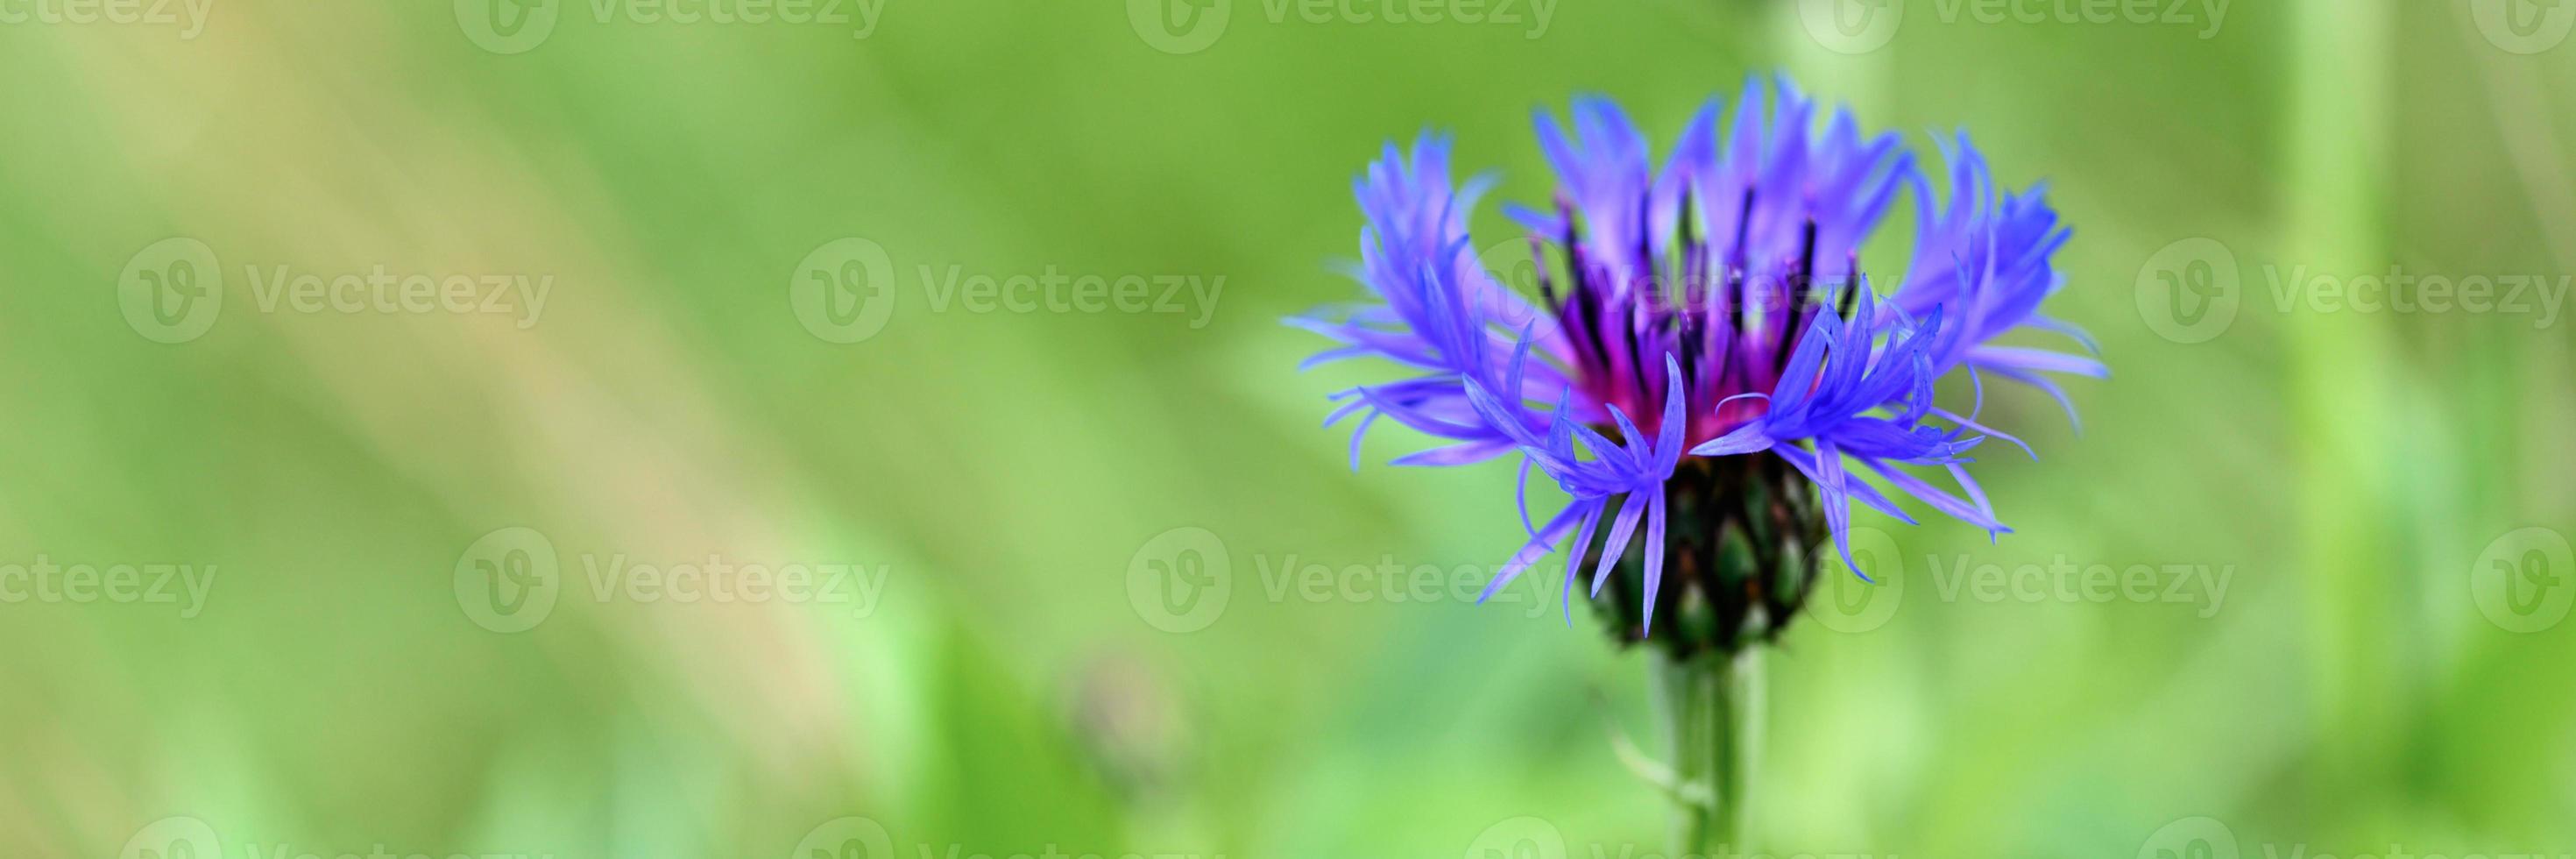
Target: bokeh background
[{"x": 1061, "y": 554}]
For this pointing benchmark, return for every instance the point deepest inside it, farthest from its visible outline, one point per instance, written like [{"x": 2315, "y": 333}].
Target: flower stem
[{"x": 1710, "y": 711}]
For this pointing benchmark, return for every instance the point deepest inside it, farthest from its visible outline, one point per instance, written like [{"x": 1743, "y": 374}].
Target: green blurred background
[{"x": 1001, "y": 492}]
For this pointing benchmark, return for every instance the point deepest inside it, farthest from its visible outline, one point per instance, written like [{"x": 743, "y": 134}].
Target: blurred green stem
[{"x": 1710, "y": 712}]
